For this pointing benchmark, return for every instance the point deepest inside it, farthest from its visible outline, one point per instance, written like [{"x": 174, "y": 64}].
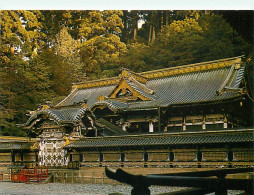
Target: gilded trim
[
  {"x": 123, "y": 85},
  {"x": 96, "y": 83},
  {"x": 173, "y": 71},
  {"x": 204, "y": 66}
]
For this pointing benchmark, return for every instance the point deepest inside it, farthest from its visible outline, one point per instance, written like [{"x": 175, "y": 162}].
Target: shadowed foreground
[{"x": 84, "y": 189}]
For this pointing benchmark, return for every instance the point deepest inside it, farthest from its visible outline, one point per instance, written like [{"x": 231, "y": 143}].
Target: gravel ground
[
  {"x": 8, "y": 188},
  {"x": 67, "y": 189}
]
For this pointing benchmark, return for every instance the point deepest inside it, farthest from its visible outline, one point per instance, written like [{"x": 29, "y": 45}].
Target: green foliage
[
  {"x": 101, "y": 47},
  {"x": 43, "y": 52},
  {"x": 21, "y": 28},
  {"x": 194, "y": 40},
  {"x": 67, "y": 49},
  {"x": 100, "y": 54},
  {"x": 135, "y": 58}
]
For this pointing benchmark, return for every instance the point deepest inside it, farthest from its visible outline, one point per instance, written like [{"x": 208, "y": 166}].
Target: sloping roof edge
[
  {"x": 223, "y": 136},
  {"x": 171, "y": 71}
]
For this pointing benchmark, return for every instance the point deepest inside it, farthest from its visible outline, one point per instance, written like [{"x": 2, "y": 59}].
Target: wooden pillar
[
  {"x": 70, "y": 159},
  {"x": 124, "y": 127},
  {"x": 22, "y": 157},
  {"x": 184, "y": 125},
  {"x": 225, "y": 124},
  {"x": 12, "y": 156},
  {"x": 203, "y": 123},
  {"x": 159, "y": 119},
  {"x": 36, "y": 157},
  {"x": 80, "y": 157},
  {"x": 122, "y": 158},
  {"x": 150, "y": 126}
]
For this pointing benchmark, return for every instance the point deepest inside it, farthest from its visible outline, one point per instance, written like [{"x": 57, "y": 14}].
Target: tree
[
  {"x": 101, "y": 46},
  {"x": 191, "y": 40},
  {"x": 68, "y": 50},
  {"x": 20, "y": 29},
  {"x": 135, "y": 58}
]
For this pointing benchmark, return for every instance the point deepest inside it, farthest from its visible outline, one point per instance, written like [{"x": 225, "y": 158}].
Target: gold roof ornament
[
  {"x": 126, "y": 73},
  {"x": 84, "y": 105},
  {"x": 67, "y": 141},
  {"x": 124, "y": 88},
  {"x": 101, "y": 98},
  {"x": 35, "y": 146},
  {"x": 44, "y": 107},
  {"x": 31, "y": 112}
]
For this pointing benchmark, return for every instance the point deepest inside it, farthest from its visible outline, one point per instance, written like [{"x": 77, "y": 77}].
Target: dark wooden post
[
  {"x": 80, "y": 157},
  {"x": 199, "y": 158},
  {"x": 12, "y": 156},
  {"x": 221, "y": 189},
  {"x": 140, "y": 190},
  {"x": 159, "y": 119},
  {"x": 122, "y": 159},
  {"x": 22, "y": 157}
]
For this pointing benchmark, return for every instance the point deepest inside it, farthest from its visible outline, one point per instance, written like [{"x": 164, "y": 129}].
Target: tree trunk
[
  {"x": 153, "y": 38},
  {"x": 150, "y": 34},
  {"x": 161, "y": 18},
  {"x": 125, "y": 23},
  {"x": 135, "y": 27},
  {"x": 166, "y": 18},
  {"x": 135, "y": 33}
]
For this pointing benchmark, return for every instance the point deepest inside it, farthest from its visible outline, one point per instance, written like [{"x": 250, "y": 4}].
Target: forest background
[{"x": 43, "y": 52}]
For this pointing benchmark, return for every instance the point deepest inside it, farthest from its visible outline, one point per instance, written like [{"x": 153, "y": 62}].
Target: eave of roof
[
  {"x": 61, "y": 115},
  {"x": 16, "y": 139},
  {"x": 211, "y": 137},
  {"x": 5, "y": 146}
]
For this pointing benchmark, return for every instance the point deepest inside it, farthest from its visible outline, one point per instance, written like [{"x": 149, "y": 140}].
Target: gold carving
[
  {"x": 101, "y": 98},
  {"x": 84, "y": 105},
  {"x": 35, "y": 146},
  {"x": 237, "y": 66},
  {"x": 124, "y": 73},
  {"x": 67, "y": 141},
  {"x": 44, "y": 107},
  {"x": 123, "y": 86}
]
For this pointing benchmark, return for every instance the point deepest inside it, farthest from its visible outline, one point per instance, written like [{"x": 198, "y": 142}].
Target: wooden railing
[
  {"x": 81, "y": 176},
  {"x": 30, "y": 175}
]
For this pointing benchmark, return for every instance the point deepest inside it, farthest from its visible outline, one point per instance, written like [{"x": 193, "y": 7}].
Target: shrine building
[{"x": 197, "y": 115}]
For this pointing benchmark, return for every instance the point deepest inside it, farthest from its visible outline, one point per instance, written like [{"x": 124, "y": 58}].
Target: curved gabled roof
[
  {"x": 60, "y": 115},
  {"x": 179, "y": 85},
  {"x": 111, "y": 104},
  {"x": 196, "y": 83},
  {"x": 192, "y": 88}
]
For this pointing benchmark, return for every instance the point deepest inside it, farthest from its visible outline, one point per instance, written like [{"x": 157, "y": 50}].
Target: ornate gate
[{"x": 51, "y": 147}]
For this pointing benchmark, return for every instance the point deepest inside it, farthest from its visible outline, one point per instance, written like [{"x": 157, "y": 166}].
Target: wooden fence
[
  {"x": 77, "y": 176},
  {"x": 70, "y": 176}
]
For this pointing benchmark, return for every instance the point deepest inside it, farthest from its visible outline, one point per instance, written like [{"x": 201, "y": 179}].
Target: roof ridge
[
  {"x": 183, "y": 69},
  {"x": 195, "y": 67}
]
